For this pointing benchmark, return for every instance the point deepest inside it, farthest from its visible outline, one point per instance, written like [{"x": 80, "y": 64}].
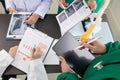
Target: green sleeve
[
  {"x": 110, "y": 47},
  {"x": 68, "y": 1},
  {"x": 68, "y": 76},
  {"x": 98, "y": 2}
]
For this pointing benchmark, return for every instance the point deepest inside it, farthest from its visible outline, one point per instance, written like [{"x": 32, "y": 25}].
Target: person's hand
[
  {"x": 13, "y": 50},
  {"x": 32, "y": 19},
  {"x": 11, "y": 10},
  {"x": 95, "y": 46},
  {"x": 92, "y": 4},
  {"x": 64, "y": 66},
  {"x": 63, "y": 4},
  {"x": 36, "y": 53}
]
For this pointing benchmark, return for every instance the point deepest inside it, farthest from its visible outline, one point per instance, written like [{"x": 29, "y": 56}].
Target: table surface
[{"x": 49, "y": 26}]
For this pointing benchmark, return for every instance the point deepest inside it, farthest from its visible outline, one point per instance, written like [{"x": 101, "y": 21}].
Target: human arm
[
  {"x": 43, "y": 8},
  {"x": 92, "y": 4},
  {"x": 67, "y": 73},
  {"x": 68, "y": 76},
  {"x": 10, "y": 6},
  {"x": 36, "y": 67},
  {"x": 12, "y": 10},
  {"x": 95, "y": 46},
  {"x": 6, "y": 59},
  {"x": 100, "y": 48},
  {"x": 40, "y": 12},
  {"x": 112, "y": 46},
  {"x": 62, "y": 3}
]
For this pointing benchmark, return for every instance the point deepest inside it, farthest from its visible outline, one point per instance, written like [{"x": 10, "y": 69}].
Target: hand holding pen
[
  {"x": 94, "y": 45},
  {"x": 32, "y": 18}
]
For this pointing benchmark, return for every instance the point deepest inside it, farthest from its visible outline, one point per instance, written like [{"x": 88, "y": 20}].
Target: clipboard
[
  {"x": 17, "y": 27},
  {"x": 78, "y": 60}
]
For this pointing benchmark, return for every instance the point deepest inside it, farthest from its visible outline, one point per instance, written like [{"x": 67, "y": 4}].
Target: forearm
[
  {"x": 43, "y": 8},
  {"x": 37, "y": 70},
  {"x": 112, "y": 46},
  {"x": 8, "y": 4},
  {"x": 5, "y": 60},
  {"x": 68, "y": 76}
]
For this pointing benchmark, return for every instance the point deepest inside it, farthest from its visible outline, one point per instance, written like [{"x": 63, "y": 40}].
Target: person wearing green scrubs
[
  {"x": 98, "y": 2},
  {"x": 104, "y": 67}
]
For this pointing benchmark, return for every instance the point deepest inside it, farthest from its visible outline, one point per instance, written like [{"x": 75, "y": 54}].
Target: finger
[
  {"x": 92, "y": 8},
  {"x": 82, "y": 48},
  {"x": 62, "y": 59},
  {"x": 14, "y": 48},
  {"x": 85, "y": 41},
  {"x": 88, "y": 46},
  {"x": 29, "y": 20},
  {"x": 15, "y": 11},
  {"x": 38, "y": 52},
  {"x": 32, "y": 50}
]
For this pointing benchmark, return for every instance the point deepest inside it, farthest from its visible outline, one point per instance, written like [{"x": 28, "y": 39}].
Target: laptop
[{"x": 78, "y": 60}]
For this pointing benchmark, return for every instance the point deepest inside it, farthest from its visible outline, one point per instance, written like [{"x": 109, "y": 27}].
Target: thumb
[
  {"x": 32, "y": 53},
  {"x": 38, "y": 52}
]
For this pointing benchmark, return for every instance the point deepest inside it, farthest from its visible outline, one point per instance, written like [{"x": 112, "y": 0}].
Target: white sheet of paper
[
  {"x": 52, "y": 58},
  {"x": 74, "y": 13},
  {"x": 105, "y": 32},
  {"x": 77, "y": 30},
  {"x": 31, "y": 39}
]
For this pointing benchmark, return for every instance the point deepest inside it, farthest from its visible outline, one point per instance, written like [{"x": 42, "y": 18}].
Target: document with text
[
  {"x": 77, "y": 11},
  {"x": 31, "y": 38}
]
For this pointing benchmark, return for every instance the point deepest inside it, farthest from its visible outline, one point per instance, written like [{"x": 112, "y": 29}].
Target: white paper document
[
  {"x": 31, "y": 38},
  {"x": 17, "y": 26},
  {"x": 77, "y": 11},
  {"x": 52, "y": 58}
]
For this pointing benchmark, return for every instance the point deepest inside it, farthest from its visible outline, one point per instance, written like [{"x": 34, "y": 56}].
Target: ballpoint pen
[
  {"x": 28, "y": 17},
  {"x": 89, "y": 42}
]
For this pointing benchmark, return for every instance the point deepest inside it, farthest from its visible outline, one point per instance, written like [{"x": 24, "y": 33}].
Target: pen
[
  {"x": 28, "y": 17},
  {"x": 89, "y": 42}
]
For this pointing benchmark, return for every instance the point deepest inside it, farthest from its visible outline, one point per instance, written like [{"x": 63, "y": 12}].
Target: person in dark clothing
[{"x": 3, "y": 4}]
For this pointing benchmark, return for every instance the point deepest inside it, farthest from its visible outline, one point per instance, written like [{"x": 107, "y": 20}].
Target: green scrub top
[
  {"x": 98, "y": 2},
  {"x": 108, "y": 72}
]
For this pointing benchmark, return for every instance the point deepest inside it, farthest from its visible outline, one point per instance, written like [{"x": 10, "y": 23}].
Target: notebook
[{"x": 78, "y": 60}]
